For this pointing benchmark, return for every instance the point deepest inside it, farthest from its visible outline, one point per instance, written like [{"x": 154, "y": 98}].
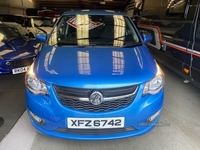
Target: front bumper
[
  {"x": 5, "y": 71},
  {"x": 55, "y": 116},
  {"x": 16, "y": 63}
]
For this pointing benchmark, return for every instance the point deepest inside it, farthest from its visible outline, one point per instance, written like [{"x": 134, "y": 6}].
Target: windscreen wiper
[
  {"x": 72, "y": 45},
  {"x": 117, "y": 38},
  {"x": 88, "y": 38}
]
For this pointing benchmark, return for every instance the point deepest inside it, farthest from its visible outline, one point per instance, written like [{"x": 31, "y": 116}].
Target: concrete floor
[
  {"x": 12, "y": 101},
  {"x": 179, "y": 127}
]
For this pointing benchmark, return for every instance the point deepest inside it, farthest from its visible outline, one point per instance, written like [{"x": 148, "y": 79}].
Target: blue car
[
  {"x": 16, "y": 53},
  {"x": 94, "y": 79}
]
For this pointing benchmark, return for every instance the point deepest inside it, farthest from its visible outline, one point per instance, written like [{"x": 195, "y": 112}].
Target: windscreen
[
  {"x": 8, "y": 33},
  {"x": 90, "y": 30},
  {"x": 43, "y": 22}
]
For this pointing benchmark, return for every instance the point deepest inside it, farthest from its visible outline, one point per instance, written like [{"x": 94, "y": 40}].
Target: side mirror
[
  {"x": 42, "y": 37},
  {"x": 146, "y": 38}
]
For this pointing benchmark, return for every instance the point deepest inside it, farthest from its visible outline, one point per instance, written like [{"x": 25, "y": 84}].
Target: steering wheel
[{"x": 73, "y": 34}]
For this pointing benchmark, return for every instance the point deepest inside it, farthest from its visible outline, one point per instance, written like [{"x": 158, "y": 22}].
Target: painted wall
[{"x": 16, "y": 6}]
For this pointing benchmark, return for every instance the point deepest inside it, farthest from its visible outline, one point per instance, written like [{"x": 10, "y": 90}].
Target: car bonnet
[
  {"x": 16, "y": 49},
  {"x": 94, "y": 66}
]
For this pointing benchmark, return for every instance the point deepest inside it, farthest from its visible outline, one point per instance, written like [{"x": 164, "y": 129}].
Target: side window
[
  {"x": 71, "y": 31},
  {"x": 61, "y": 29},
  {"x": 2, "y": 18},
  {"x": 27, "y": 22},
  {"x": 195, "y": 65},
  {"x": 130, "y": 31},
  {"x": 10, "y": 18},
  {"x": 197, "y": 36},
  {"x": 16, "y": 19},
  {"x": 198, "y": 31},
  {"x": 21, "y": 20},
  {"x": 190, "y": 10}
]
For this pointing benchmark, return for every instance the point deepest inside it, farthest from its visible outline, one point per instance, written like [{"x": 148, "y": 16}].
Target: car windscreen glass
[
  {"x": 93, "y": 30},
  {"x": 43, "y": 22},
  {"x": 10, "y": 18},
  {"x": 8, "y": 33}
]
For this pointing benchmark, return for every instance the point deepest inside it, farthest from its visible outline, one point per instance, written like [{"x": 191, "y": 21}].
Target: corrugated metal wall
[
  {"x": 16, "y": 6},
  {"x": 134, "y": 8},
  {"x": 130, "y": 8}
]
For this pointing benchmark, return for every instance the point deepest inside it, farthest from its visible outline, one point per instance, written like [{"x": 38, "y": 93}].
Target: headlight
[
  {"x": 156, "y": 84},
  {"x": 33, "y": 84}
]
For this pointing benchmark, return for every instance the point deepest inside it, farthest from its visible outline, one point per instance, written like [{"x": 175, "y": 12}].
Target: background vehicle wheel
[{"x": 1, "y": 121}]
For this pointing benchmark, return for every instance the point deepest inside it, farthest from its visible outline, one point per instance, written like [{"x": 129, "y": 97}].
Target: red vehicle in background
[
  {"x": 42, "y": 12},
  {"x": 48, "y": 13}
]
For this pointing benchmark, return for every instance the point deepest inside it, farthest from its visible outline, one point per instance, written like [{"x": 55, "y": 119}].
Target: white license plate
[
  {"x": 20, "y": 70},
  {"x": 82, "y": 123}
]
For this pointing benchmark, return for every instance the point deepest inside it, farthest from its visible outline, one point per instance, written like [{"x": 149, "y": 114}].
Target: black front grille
[
  {"x": 95, "y": 131},
  {"x": 111, "y": 92},
  {"x": 63, "y": 93},
  {"x": 20, "y": 63}
]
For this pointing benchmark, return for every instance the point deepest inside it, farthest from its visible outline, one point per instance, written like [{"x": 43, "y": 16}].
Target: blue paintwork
[
  {"x": 101, "y": 70},
  {"x": 42, "y": 37},
  {"x": 55, "y": 115},
  {"x": 62, "y": 66},
  {"x": 16, "y": 47},
  {"x": 146, "y": 38}
]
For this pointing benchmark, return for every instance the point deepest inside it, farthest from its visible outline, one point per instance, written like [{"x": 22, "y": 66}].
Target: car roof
[{"x": 94, "y": 12}]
